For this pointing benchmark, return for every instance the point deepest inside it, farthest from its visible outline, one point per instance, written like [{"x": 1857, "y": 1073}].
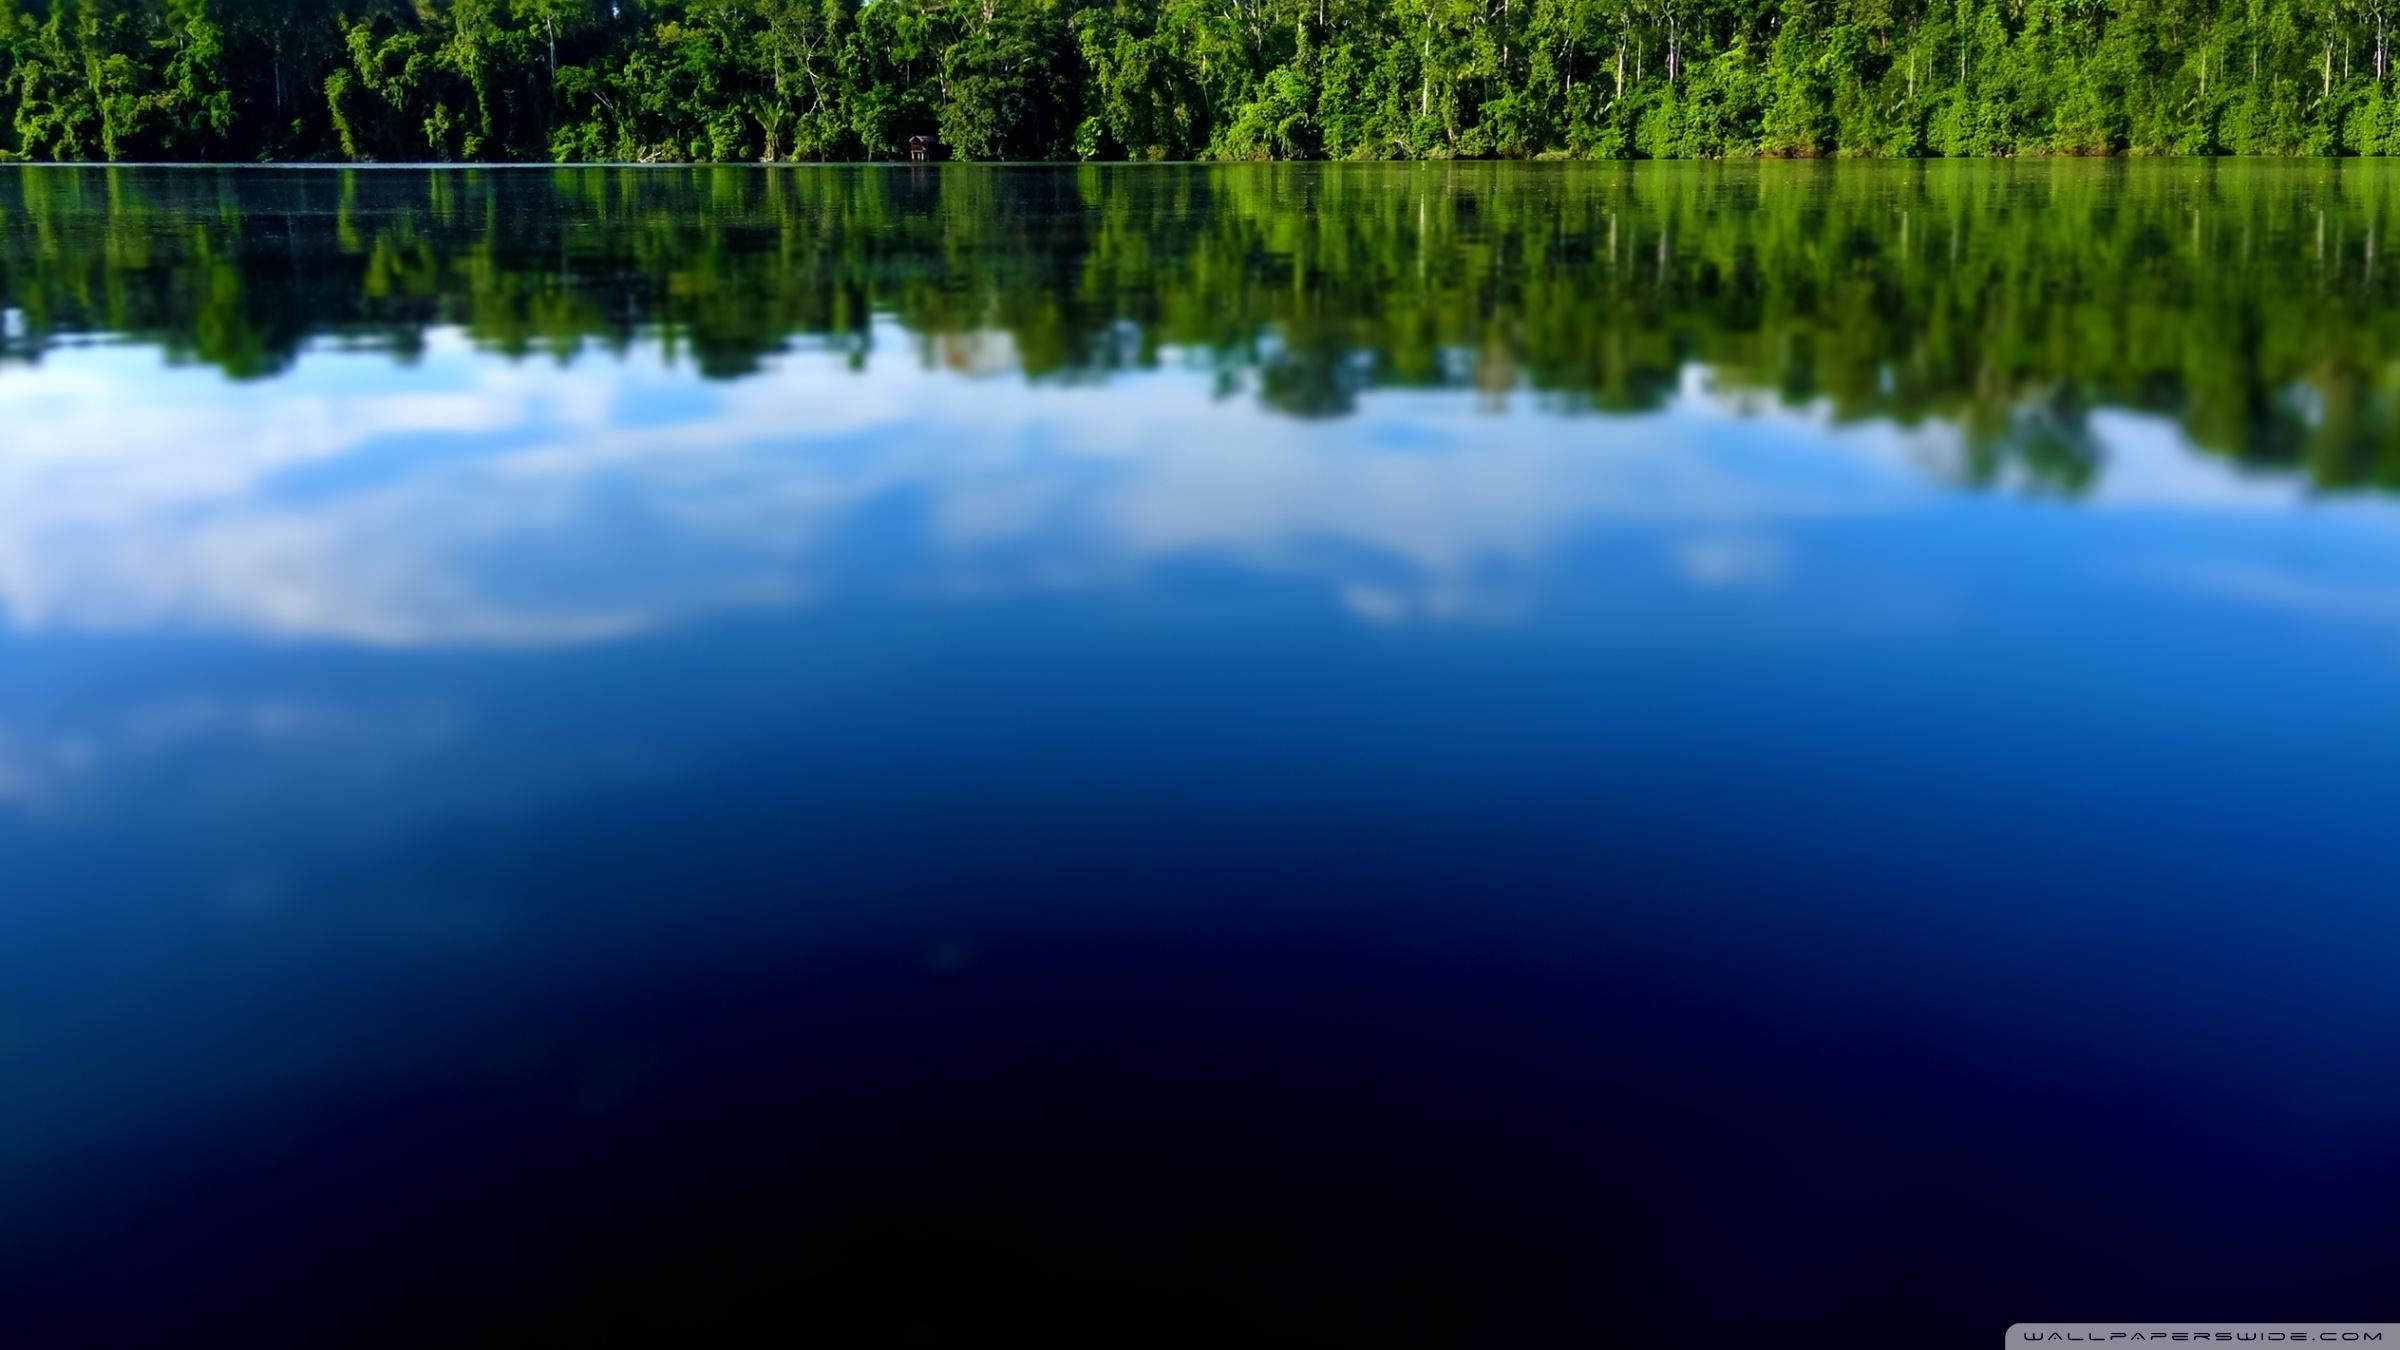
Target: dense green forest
[
  {"x": 2247, "y": 300},
  {"x": 739, "y": 80}
]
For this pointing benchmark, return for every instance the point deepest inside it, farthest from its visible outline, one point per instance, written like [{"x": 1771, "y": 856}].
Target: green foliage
[{"x": 723, "y": 80}]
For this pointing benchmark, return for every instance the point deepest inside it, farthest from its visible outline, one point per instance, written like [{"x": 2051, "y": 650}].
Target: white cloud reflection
[
  {"x": 464, "y": 500},
  {"x": 44, "y": 763},
  {"x": 2289, "y": 589}
]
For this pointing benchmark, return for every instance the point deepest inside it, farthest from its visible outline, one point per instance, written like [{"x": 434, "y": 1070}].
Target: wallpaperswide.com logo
[{"x": 2206, "y": 1333}]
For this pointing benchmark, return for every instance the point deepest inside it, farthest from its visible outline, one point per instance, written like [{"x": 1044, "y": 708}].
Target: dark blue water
[{"x": 890, "y": 849}]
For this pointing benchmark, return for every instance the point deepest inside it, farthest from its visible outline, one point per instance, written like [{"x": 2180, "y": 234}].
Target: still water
[{"x": 1454, "y": 755}]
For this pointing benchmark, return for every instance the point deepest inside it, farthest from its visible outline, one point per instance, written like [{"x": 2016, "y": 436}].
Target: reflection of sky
[
  {"x": 466, "y": 501},
  {"x": 360, "y": 721},
  {"x": 463, "y": 504}
]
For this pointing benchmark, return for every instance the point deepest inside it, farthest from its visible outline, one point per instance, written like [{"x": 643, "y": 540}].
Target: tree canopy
[{"x": 738, "y": 80}]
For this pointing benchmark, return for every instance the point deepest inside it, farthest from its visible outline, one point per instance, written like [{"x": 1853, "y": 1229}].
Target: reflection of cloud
[
  {"x": 468, "y": 501},
  {"x": 131, "y": 497},
  {"x": 1376, "y": 604},
  {"x": 43, "y": 766},
  {"x": 2278, "y": 588},
  {"x": 1731, "y": 559},
  {"x": 22, "y": 782},
  {"x": 2149, "y": 463},
  {"x": 984, "y": 352},
  {"x": 1485, "y": 488}
]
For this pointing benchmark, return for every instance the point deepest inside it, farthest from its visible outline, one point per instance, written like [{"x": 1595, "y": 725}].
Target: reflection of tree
[{"x": 2009, "y": 302}]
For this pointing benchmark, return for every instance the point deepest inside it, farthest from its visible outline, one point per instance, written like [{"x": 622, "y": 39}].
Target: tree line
[
  {"x": 2252, "y": 302},
  {"x": 744, "y": 80}
]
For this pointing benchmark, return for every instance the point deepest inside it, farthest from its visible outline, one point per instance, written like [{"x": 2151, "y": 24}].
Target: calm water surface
[{"x": 1340, "y": 756}]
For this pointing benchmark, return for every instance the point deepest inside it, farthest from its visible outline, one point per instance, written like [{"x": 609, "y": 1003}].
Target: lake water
[{"x": 1449, "y": 755}]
